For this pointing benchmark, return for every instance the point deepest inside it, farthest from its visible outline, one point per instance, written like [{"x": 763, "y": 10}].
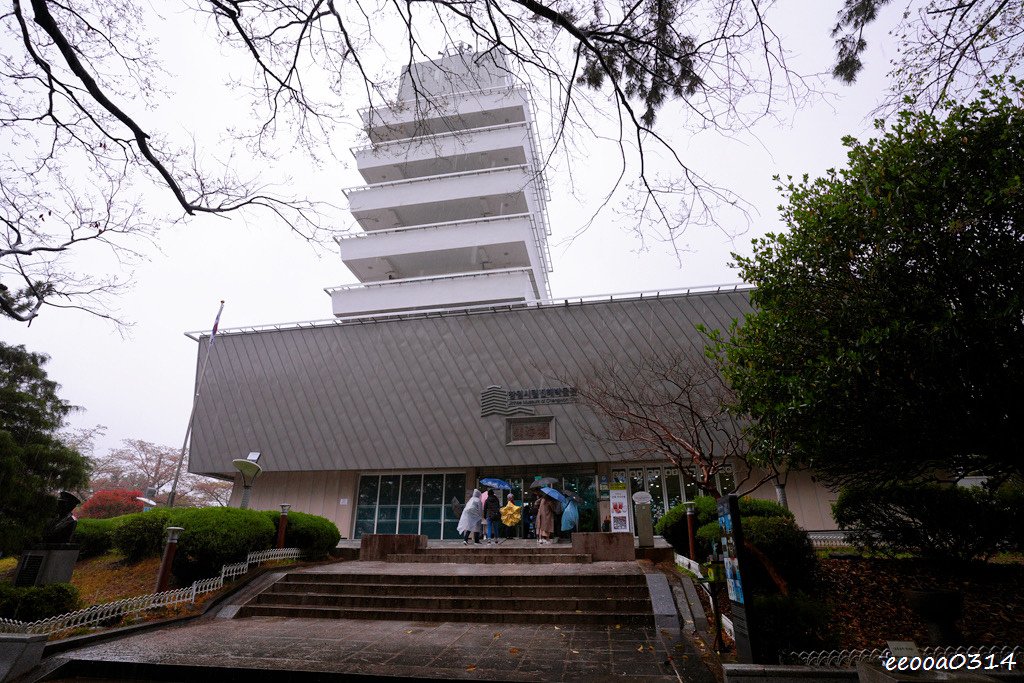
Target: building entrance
[{"x": 409, "y": 504}]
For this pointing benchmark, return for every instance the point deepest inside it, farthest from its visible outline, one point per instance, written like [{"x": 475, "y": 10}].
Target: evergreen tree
[{"x": 34, "y": 463}]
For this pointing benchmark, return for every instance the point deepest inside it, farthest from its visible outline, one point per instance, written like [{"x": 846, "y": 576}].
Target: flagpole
[{"x": 195, "y": 402}]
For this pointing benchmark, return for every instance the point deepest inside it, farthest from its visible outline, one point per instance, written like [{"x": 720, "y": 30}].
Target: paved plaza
[{"x": 219, "y": 646}]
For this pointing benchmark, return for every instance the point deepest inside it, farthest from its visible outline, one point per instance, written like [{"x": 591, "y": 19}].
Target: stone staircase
[
  {"x": 495, "y": 554},
  {"x": 606, "y": 598}
]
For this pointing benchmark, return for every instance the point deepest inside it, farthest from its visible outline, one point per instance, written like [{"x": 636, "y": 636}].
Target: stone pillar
[
  {"x": 171, "y": 547},
  {"x": 282, "y": 524}
]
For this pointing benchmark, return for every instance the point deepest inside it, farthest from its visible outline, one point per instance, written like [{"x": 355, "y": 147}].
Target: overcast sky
[{"x": 140, "y": 385}]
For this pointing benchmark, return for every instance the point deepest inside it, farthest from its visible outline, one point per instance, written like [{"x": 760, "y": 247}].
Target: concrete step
[
  {"x": 489, "y": 558},
  {"x": 498, "y": 588},
  {"x": 620, "y": 605},
  {"x": 503, "y": 549},
  {"x": 496, "y": 579},
  {"x": 507, "y": 615}
]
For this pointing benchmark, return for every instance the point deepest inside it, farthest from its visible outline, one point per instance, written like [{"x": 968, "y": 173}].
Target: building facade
[
  {"x": 453, "y": 211},
  {"x": 449, "y": 361},
  {"x": 378, "y": 421}
]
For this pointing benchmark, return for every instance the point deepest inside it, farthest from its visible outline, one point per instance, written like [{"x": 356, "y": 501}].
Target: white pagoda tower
[{"x": 453, "y": 212}]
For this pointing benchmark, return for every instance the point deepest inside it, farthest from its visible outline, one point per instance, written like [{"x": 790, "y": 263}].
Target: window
[{"x": 520, "y": 431}]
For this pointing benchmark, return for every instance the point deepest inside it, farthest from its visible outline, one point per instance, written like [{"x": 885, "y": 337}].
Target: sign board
[
  {"x": 731, "y": 527},
  {"x": 903, "y": 648},
  {"x": 603, "y": 486},
  {"x": 541, "y": 396},
  {"x": 642, "y": 498},
  {"x": 618, "y": 500}
]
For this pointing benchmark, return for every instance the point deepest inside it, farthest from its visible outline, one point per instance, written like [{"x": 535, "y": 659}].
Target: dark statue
[{"x": 64, "y": 526}]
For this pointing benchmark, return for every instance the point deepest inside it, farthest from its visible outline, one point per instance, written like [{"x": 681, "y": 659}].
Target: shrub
[
  {"x": 141, "y": 534},
  {"x": 94, "y": 536},
  {"x": 787, "y": 623},
  {"x": 932, "y": 521},
  {"x": 316, "y": 534},
  {"x": 672, "y": 525},
  {"x": 214, "y": 537},
  {"x": 786, "y": 546},
  {"x": 111, "y": 503},
  {"x": 37, "y": 602}
]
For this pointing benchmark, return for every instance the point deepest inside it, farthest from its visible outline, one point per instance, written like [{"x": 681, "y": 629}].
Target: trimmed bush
[
  {"x": 786, "y": 546},
  {"x": 214, "y": 537},
  {"x": 932, "y": 521},
  {"x": 94, "y": 536},
  {"x": 37, "y": 602},
  {"x": 672, "y": 525},
  {"x": 141, "y": 534},
  {"x": 313, "y": 533}
]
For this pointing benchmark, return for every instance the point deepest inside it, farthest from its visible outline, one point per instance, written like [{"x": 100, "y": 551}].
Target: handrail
[
  {"x": 418, "y": 179},
  {"x": 398, "y": 105},
  {"x": 196, "y": 335},
  {"x": 465, "y": 221},
  {"x": 433, "y": 136},
  {"x": 424, "y": 278}
]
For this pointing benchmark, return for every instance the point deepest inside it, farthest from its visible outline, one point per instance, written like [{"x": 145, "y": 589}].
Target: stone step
[
  {"x": 498, "y": 588},
  {"x": 495, "y": 579},
  {"x": 502, "y": 616},
  {"x": 620, "y": 605},
  {"x": 487, "y": 558},
  {"x": 565, "y": 549}
]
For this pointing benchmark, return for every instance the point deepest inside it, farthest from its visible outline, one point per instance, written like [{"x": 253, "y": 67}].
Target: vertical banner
[
  {"x": 731, "y": 526},
  {"x": 619, "y": 502}
]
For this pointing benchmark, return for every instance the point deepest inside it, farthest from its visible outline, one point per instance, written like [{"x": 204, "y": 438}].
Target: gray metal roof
[{"x": 404, "y": 392}]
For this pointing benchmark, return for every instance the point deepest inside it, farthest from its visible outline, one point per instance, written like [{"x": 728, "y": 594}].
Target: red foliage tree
[{"x": 111, "y": 503}]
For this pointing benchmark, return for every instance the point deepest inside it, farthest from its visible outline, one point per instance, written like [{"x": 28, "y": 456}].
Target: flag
[{"x": 216, "y": 322}]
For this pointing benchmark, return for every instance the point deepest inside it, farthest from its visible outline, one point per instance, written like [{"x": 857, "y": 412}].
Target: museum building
[{"x": 448, "y": 361}]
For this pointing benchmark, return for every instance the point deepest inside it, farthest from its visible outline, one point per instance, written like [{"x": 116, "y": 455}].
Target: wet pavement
[
  {"x": 282, "y": 648},
  {"x": 408, "y": 649}
]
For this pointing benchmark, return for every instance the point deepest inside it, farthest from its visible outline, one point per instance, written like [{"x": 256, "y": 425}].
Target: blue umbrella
[
  {"x": 554, "y": 493},
  {"x": 492, "y": 483},
  {"x": 570, "y": 516}
]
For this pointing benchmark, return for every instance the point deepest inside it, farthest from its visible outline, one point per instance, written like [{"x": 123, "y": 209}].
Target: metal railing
[
  {"x": 828, "y": 539},
  {"x": 99, "y": 614},
  {"x": 845, "y": 659},
  {"x": 461, "y": 309}
]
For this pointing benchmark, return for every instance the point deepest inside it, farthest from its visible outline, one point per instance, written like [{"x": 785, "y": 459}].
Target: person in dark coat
[{"x": 492, "y": 515}]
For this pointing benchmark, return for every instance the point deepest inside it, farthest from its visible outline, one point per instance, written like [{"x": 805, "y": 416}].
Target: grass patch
[
  {"x": 108, "y": 577},
  {"x": 8, "y": 567}
]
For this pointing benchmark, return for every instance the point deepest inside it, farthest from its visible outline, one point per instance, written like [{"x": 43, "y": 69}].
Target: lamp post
[
  {"x": 691, "y": 528},
  {"x": 170, "y": 548},
  {"x": 282, "y": 524},
  {"x": 250, "y": 470}
]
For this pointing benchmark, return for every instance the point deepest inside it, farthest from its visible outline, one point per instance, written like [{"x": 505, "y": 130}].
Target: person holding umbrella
[
  {"x": 492, "y": 515},
  {"x": 545, "y": 517}
]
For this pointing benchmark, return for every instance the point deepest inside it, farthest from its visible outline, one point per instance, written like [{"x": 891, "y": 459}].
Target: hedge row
[
  {"x": 212, "y": 537},
  {"x": 37, "y": 602}
]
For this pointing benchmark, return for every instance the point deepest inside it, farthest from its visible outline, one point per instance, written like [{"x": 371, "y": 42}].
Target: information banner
[
  {"x": 619, "y": 501},
  {"x": 731, "y": 526}
]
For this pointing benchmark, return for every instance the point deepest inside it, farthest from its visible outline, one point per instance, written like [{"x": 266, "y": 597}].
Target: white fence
[
  {"x": 98, "y": 614},
  {"x": 843, "y": 659},
  {"x": 695, "y": 568}
]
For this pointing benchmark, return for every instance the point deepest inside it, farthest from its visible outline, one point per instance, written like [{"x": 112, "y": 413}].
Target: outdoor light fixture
[{"x": 250, "y": 470}]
